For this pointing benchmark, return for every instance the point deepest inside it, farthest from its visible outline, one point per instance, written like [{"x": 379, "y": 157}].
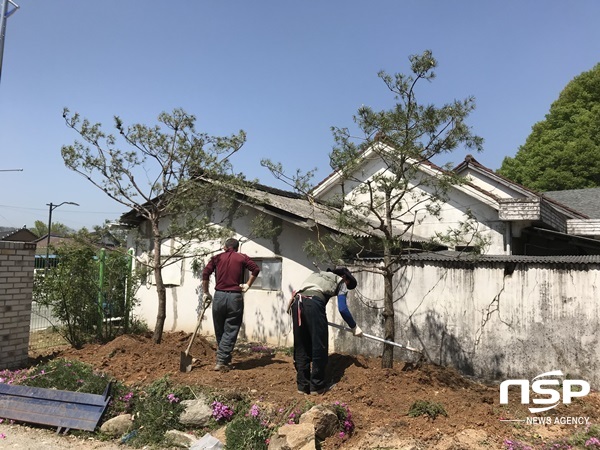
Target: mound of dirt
[{"x": 378, "y": 398}]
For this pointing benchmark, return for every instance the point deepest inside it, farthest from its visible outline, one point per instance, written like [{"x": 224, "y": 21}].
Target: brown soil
[{"x": 378, "y": 398}]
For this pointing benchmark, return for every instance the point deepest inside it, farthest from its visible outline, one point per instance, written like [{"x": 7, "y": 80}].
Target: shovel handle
[
  {"x": 375, "y": 338},
  {"x": 187, "y": 350}
]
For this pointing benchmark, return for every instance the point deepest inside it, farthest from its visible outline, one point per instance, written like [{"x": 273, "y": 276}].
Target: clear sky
[{"x": 283, "y": 71}]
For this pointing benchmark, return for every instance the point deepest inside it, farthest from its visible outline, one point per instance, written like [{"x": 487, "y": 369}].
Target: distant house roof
[
  {"x": 18, "y": 235},
  {"x": 586, "y": 201},
  {"x": 55, "y": 240},
  {"x": 286, "y": 205}
]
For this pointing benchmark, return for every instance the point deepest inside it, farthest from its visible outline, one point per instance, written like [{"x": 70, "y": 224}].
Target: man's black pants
[{"x": 311, "y": 338}]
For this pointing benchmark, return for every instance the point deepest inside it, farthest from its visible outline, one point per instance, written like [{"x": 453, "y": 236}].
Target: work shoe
[
  {"x": 219, "y": 367},
  {"x": 323, "y": 390}
]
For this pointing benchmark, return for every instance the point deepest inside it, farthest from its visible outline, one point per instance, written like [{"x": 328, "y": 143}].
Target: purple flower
[
  {"x": 254, "y": 411},
  {"x": 221, "y": 412},
  {"x": 592, "y": 442}
]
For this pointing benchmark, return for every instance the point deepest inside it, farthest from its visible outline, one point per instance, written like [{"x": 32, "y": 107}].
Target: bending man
[{"x": 311, "y": 335}]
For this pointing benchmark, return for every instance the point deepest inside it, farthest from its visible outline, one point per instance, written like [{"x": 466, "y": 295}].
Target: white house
[{"x": 516, "y": 221}]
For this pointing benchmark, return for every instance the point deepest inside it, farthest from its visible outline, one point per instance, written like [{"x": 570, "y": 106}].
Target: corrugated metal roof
[{"x": 464, "y": 257}]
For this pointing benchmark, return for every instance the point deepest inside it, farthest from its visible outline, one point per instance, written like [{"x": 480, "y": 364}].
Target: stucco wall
[
  {"x": 492, "y": 321},
  {"x": 488, "y": 320},
  {"x": 265, "y": 316}
]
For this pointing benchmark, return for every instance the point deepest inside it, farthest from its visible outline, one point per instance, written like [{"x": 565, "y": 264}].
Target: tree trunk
[
  {"x": 161, "y": 290},
  {"x": 387, "y": 357}
]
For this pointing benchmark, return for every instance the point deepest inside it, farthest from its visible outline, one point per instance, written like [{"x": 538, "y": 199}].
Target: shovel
[
  {"x": 185, "y": 364},
  {"x": 375, "y": 338}
]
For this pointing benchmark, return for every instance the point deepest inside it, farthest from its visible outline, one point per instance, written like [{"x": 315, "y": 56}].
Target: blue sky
[{"x": 283, "y": 71}]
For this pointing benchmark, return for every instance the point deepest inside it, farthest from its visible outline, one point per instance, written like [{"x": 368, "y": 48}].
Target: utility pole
[
  {"x": 5, "y": 14},
  {"x": 52, "y": 208}
]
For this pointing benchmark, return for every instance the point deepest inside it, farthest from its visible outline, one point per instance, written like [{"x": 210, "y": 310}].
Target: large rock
[
  {"x": 181, "y": 439},
  {"x": 117, "y": 426},
  {"x": 294, "y": 437},
  {"x": 387, "y": 438},
  {"x": 197, "y": 412},
  {"x": 323, "y": 419}
]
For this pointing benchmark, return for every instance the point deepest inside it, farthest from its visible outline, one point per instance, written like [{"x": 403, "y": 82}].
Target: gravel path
[{"x": 24, "y": 437}]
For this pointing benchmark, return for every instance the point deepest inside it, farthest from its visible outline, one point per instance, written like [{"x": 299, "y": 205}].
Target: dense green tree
[
  {"x": 78, "y": 302},
  {"x": 41, "y": 229},
  {"x": 385, "y": 206},
  {"x": 563, "y": 150},
  {"x": 170, "y": 177}
]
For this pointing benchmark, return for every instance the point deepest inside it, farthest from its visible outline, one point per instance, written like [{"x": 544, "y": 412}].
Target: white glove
[
  {"x": 244, "y": 287},
  {"x": 356, "y": 331},
  {"x": 206, "y": 298}
]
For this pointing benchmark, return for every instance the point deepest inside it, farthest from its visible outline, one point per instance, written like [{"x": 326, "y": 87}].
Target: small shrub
[
  {"x": 75, "y": 376},
  {"x": 426, "y": 408},
  {"x": 138, "y": 326},
  {"x": 344, "y": 416},
  {"x": 587, "y": 438},
  {"x": 156, "y": 410},
  {"x": 516, "y": 445},
  {"x": 247, "y": 432},
  {"x": 287, "y": 351}
]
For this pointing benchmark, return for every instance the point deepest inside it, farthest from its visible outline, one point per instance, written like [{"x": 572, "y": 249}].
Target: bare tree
[
  {"x": 170, "y": 177},
  {"x": 380, "y": 213}
]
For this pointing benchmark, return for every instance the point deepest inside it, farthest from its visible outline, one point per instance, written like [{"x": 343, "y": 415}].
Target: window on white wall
[{"x": 269, "y": 278}]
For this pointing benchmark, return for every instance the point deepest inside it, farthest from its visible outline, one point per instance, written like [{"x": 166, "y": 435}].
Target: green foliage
[
  {"x": 72, "y": 291},
  {"x": 156, "y": 409},
  {"x": 385, "y": 207},
  {"x": 41, "y": 229},
  {"x": 589, "y": 437},
  {"x": 563, "y": 150},
  {"x": 247, "y": 432},
  {"x": 75, "y": 376},
  {"x": 427, "y": 408},
  {"x": 345, "y": 422},
  {"x": 171, "y": 175},
  {"x": 379, "y": 212}
]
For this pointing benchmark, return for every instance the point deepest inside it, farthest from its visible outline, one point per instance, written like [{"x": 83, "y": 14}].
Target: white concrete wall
[
  {"x": 487, "y": 323},
  {"x": 453, "y": 212},
  {"x": 265, "y": 316},
  {"x": 481, "y": 318}
]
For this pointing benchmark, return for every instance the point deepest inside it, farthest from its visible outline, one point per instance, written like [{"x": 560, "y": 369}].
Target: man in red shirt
[{"x": 228, "y": 302}]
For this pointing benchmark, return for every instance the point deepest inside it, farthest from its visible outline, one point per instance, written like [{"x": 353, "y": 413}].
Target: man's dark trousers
[
  {"x": 228, "y": 311},
  {"x": 311, "y": 337}
]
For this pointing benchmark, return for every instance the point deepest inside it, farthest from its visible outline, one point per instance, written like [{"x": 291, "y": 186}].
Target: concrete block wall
[{"x": 16, "y": 295}]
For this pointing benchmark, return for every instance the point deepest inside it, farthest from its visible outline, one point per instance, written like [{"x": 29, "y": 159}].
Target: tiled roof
[
  {"x": 300, "y": 208},
  {"x": 585, "y": 201}
]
